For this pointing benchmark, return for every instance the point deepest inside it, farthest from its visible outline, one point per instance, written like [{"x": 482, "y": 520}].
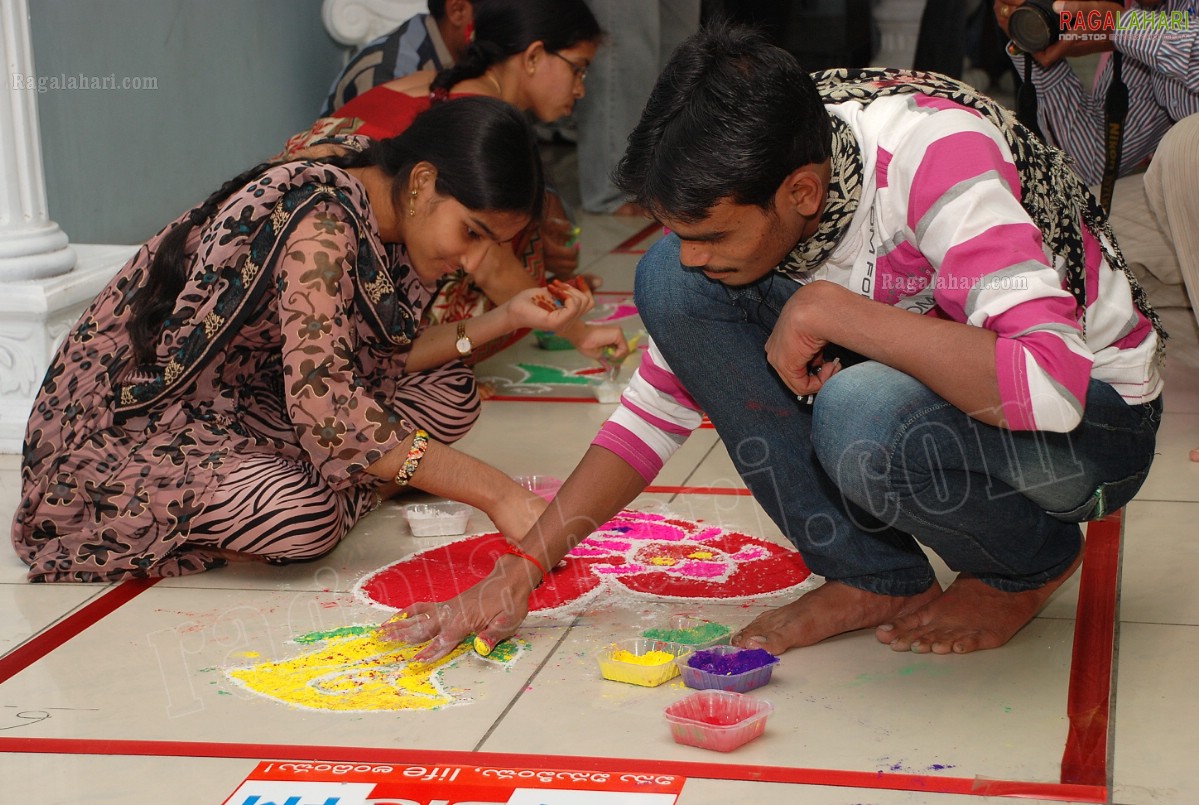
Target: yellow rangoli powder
[
  {"x": 648, "y": 658},
  {"x": 355, "y": 672}
]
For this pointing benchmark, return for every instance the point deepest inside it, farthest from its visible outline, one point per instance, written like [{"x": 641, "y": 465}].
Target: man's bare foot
[
  {"x": 828, "y": 610},
  {"x": 486, "y": 390},
  {"x": 970, "y": 616}
]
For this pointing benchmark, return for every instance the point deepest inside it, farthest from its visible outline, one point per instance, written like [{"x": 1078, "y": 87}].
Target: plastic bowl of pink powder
[
  {"x": 643, "y": 662},
  {"x": 728, "y": 668},
  {"x": 718, "y": 719},
  {"x": 544, "y": 485}
]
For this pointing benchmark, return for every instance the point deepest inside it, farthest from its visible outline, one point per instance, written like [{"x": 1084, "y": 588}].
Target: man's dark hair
[
  {"x": 730, "y": 117},
  {"x": 437, "y": 9}
]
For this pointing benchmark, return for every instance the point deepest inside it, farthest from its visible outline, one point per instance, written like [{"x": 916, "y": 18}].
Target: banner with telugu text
[{"x": 301, "y": 783}]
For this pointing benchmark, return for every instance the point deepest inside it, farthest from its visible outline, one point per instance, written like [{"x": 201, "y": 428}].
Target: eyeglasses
[{"x": 580, "y": 71}]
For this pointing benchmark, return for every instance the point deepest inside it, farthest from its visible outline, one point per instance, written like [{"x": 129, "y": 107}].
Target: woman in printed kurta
[{"x": 266, "y": 404}]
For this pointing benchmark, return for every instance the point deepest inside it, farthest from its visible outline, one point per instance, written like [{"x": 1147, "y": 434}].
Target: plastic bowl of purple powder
[
  {"x": 718, "y": 719},
  {"x": 727, "y": 668}
]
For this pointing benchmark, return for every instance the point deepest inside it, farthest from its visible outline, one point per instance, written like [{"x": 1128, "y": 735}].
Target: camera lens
[{"x": 1032, "y": 28}]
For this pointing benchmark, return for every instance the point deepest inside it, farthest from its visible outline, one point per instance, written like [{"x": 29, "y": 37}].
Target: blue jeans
[{"x": 880, "y": 460}]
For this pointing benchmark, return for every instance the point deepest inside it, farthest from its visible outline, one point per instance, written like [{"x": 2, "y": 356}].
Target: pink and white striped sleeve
[
  {"x": 655, "y": 417},
  {"x": 962, "y": 191}
]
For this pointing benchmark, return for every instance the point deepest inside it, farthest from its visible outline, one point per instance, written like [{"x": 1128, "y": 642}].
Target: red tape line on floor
[
  {"x": 27, "y": 654},
  {"x": 626, "y": 246},
  {"x": 711, "y": 771},
  {"x": 1088, "y": 702}
]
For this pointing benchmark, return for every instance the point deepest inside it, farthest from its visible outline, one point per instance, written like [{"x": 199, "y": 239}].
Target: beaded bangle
[
  {"x": 420, "y": 443},
  {"x": 514, "y": 551}
]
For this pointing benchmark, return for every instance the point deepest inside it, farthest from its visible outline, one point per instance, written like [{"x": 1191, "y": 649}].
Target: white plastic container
[{"x": 437, "y": 519}]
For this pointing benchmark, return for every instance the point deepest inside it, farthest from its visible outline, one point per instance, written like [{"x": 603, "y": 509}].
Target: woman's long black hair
[
  {"x": 486, "y": 158},
  {"x": 504, "y": 28}
]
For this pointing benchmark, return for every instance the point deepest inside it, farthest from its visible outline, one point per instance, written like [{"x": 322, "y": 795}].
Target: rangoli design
[
  {"x": 635, "y": 554},
  {"x": 540, "y": 374},
  {"x": 639, "y": 554},
  {"x": 352, "y": 670}
]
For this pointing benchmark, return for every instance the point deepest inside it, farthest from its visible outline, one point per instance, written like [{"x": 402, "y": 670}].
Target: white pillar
[
  {"x": 31, "y": 245},
  {"x": 44, "y": 283}
]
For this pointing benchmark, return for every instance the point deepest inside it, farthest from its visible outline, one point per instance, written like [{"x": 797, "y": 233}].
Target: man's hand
[
  {"x": 1003, "y": 13},
  {"x": 1091, "y": 37},
  {"x": 596, "y": 340},
  {"x": 795, "y": 347}
]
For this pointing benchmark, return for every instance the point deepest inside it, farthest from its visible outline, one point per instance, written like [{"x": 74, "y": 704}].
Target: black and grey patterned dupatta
[{"x": 1054, "y": 196}]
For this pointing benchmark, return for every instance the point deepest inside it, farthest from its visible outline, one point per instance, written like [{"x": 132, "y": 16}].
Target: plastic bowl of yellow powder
[{"x": 639, "y": 661}]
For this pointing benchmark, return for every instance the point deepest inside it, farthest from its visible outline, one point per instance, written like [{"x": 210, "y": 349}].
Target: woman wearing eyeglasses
[{"x": 534, "y": 55}]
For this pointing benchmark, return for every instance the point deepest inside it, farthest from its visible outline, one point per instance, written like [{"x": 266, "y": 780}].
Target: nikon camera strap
[{"x": 1115, "y": 110}]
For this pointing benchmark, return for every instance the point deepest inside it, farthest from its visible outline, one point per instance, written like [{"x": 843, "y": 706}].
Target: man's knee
[
  {"x": 655, "y": 282},
  {"x": 1175, "y": 163},
  {"x": 860, "y": 414},
  {"x": 1181, "y": 141}
]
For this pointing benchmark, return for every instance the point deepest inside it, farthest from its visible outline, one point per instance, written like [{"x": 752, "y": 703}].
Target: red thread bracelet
[{"x": 514, "y": 551}]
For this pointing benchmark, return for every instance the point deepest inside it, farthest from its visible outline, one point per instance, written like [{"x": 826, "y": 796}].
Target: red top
[{"x": 385, "y": 112}]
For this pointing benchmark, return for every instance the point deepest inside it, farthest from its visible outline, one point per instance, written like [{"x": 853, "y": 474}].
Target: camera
[{"x": 1034, "y": 25}]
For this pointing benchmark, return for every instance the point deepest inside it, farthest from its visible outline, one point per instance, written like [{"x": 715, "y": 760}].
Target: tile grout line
[
  {"x": 524, "y": 686},
  {"x": 64, "y": 630}
]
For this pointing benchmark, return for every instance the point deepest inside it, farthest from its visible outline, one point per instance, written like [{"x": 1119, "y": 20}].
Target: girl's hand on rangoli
[{"x": 493, "y": 609}]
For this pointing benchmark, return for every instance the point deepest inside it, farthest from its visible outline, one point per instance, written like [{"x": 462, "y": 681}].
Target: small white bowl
[{"x": 437, "y": 519}]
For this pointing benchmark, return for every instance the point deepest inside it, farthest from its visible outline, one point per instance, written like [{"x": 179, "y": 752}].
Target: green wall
[{"x": 233, "y": 79}]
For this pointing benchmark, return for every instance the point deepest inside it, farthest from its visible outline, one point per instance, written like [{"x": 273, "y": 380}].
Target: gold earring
[{"x": 412, "y": 205}]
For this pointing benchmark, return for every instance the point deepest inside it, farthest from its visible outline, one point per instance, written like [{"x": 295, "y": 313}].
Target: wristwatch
[{"x": 463, "y": 343}]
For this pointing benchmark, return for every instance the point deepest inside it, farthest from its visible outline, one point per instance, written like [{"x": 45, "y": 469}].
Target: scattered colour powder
[
  {"x": 353, "y": 670},
  {"x": 648, "y": 658},
  {"x": 730, "y": 664},
  {"x": 704, "y": 634}
]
